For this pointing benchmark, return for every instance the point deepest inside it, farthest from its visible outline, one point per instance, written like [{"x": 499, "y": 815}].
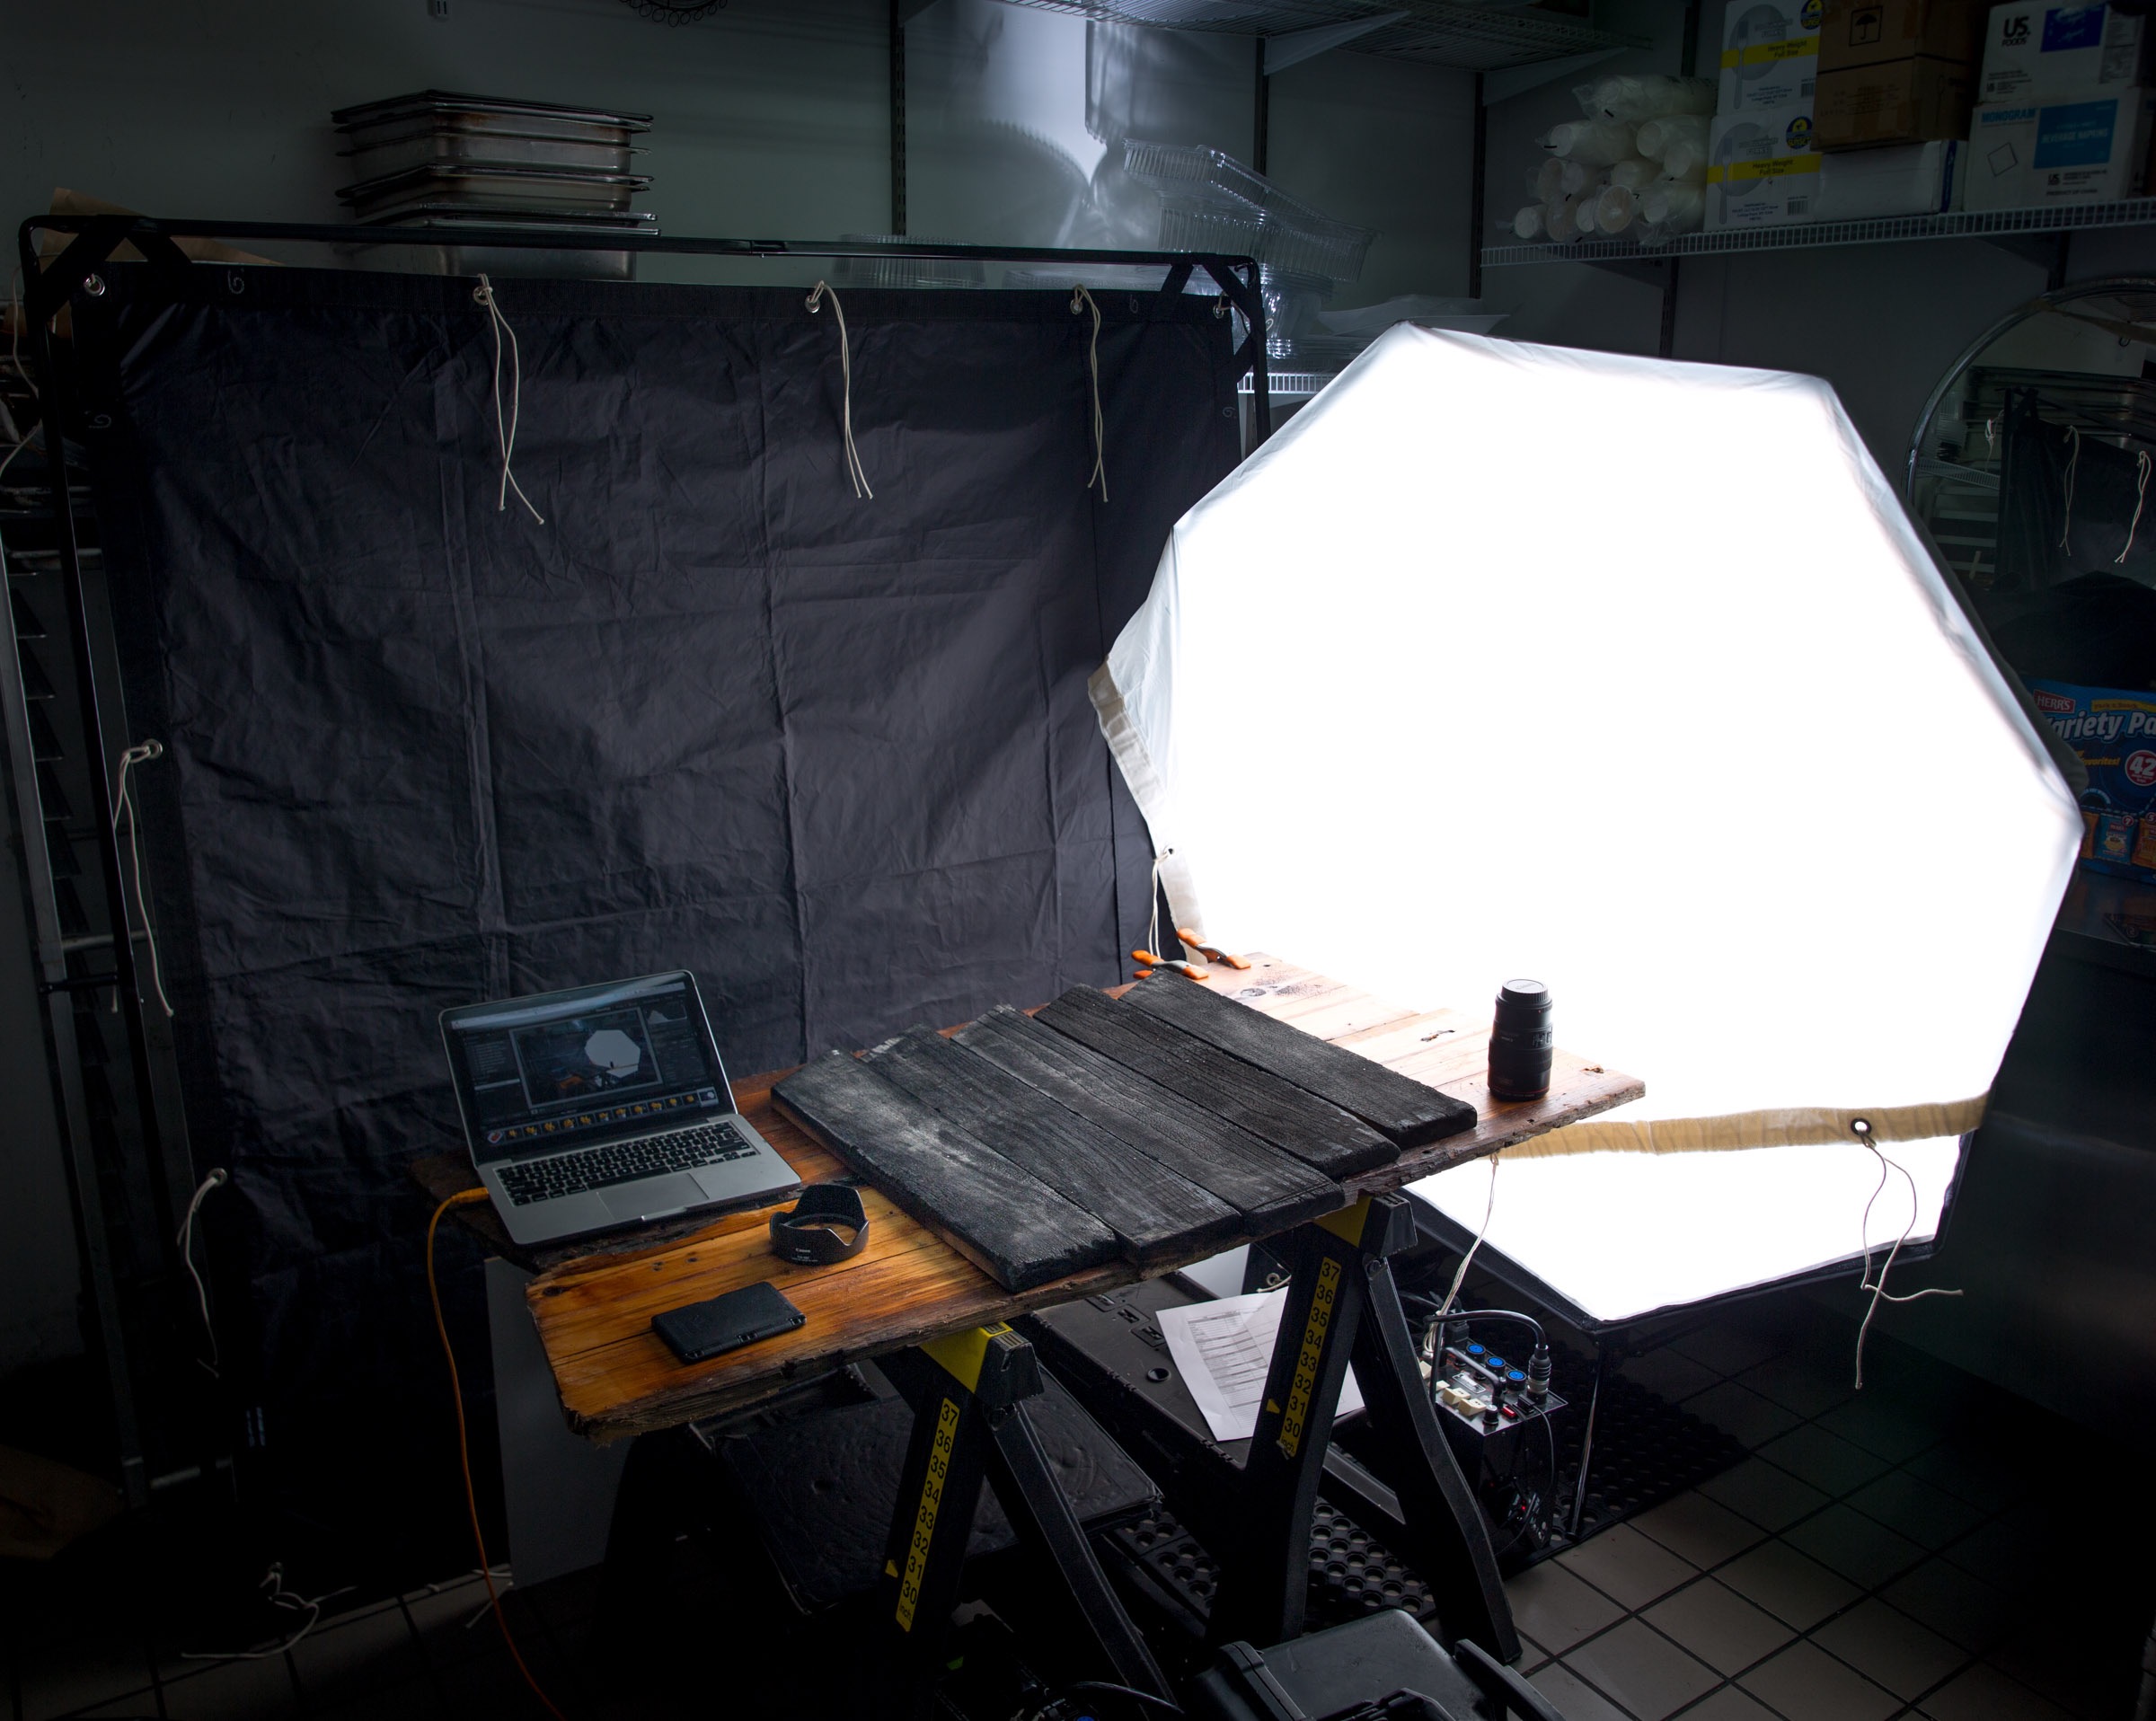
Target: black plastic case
[{"x": 720, "y": 1324}]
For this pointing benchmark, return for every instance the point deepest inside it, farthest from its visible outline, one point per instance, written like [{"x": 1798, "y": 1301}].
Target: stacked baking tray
[{"x": 460, "y": 162}]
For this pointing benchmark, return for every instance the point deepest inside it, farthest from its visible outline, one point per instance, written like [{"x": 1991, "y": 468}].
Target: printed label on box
[
  {"x": 2071, "y": 29},
  {"x": 1762, "y": 169},
  {"x": 1770, "y": 54},
  {"x": 2113, "y": 732},
  {"x": 2037, "y": 52},
  {"x": 2030, "y": 154},
  {"x": 2078, "y": 135}
]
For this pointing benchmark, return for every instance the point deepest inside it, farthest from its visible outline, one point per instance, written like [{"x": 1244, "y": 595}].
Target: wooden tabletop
[{"x": 594, "y": 1312}]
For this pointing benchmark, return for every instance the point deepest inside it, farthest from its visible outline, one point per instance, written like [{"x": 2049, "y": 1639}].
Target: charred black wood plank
[
  {"x": 1405, "y": 1110},
  {"x": 1157, "y": 1214},
  {"x": 1270, "y": 1189},
  {"x": 1273, "y": 1109},
  {"x": 1000, "y": 1217}
]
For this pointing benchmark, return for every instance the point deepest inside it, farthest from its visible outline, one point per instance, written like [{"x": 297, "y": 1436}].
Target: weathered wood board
[
  {"x": 1154, "y": 1214},
  {"x": 1408, "y": 1112},
  {"x": 1269, "y": 1188},
  {"x": 594, "y": 1313},
  {"x": 998, "y": 1216},
  {"x": 1314, "y": 1130}
]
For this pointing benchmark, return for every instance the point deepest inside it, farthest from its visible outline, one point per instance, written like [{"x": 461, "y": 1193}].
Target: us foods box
[
  {"x": 1770, "y": 55},
  {"x": 2113, "y": 732},
  {"x": 2033, "y": 53},
  {"x": 2026, "y": 155},
  {"x": 1761, "y": 170}
]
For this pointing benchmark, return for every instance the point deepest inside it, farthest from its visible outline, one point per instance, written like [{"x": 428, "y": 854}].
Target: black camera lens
[{"x": 1520, "y": 1041}]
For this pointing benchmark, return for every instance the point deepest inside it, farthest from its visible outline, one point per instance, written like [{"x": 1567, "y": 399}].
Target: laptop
[{"x": 603, "y": 1106}]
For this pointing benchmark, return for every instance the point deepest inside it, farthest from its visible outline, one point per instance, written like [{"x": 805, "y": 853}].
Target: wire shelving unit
[
  {"x": 1968, "y": 224},
  {"x": 1475, "y": 37}
]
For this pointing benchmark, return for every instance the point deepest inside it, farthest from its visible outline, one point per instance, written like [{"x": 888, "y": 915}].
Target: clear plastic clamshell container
[
  {"x": 1212, "y": 202},
  {"x": 901, "y": 271}
]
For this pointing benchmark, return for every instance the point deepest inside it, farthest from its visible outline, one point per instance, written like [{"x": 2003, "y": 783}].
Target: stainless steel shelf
[
  {"x": 1484, "y": 38},
  {"x": 1981, "y": 223}
]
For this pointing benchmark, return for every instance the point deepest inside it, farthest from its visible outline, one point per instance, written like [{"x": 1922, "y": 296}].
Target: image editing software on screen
[{"x": 585, "y": 1069}]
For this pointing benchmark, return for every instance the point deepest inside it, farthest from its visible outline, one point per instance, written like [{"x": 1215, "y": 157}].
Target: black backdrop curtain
[
  {"x": 833, "y": 755},
  {"x": 2067, "y": 506}
]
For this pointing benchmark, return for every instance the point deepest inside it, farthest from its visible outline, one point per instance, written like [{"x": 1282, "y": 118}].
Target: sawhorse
[
  {"x": 968, "y": 1393},
  {"x": 1342, "y": 1307},
  {"x": 1254, "y": 1515}
]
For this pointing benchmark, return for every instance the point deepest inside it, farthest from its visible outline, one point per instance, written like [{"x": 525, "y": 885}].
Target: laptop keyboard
[{"x": 600, "y": 1167}]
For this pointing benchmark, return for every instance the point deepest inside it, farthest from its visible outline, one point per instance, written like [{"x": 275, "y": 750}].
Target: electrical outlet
[{"x": 438, "y": 8}]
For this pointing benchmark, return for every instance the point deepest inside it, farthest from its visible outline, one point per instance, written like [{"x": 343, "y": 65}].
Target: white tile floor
[
  {"x": 1886, "y": 1556},
  {"x": 1878, "y": 1556}
]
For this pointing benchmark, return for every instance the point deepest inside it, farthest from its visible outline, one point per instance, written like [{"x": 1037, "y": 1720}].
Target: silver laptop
[{"x": 603, "y": 1106}]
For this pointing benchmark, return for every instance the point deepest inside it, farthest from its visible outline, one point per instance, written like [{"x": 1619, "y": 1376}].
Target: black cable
[
  {"x": 1500, "y": 1314},
  {"x": 1131, "y": 1691}
]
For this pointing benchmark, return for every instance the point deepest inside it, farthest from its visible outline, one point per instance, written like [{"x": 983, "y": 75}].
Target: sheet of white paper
[{"x": 1221, "y": 1349}]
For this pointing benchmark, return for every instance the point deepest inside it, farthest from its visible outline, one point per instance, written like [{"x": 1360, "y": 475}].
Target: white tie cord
[
  {"x": 1081, "y": 300},
  {"x": 2073, "y": 436},
  {"x": 2141, "y": 494},
  {"x": 505, "y": 431},
  {"x": 124, "y": 808},
  {"x": 846, "y": 370}
]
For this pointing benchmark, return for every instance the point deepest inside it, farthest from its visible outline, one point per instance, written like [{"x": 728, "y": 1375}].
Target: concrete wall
[
  {"x": 769, "y": 118},
  {"x": 1003, "y": 139},
  {"x": 1385, "y": 145}
]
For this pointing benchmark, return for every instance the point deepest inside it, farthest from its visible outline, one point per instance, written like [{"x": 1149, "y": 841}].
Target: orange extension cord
[{"x": 464, "y": 1449}]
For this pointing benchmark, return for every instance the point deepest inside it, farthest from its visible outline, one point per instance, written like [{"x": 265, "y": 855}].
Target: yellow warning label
[
  {"x": 1774, "y": 167},
  {"x": 1349, "y": 1224},
  {"x": 962, "y": 1354},
  {"x": 1307, "y": 1358},
  {"x": 925, "y": 1520},
  {"x": 1790, "y": 47}
]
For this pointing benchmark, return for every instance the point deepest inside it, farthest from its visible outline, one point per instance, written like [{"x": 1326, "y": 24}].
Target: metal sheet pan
[
  {"x": 457, "y": 145},
  {"x": 477, "y": 112},
  {"x": 487, "y": 185}
]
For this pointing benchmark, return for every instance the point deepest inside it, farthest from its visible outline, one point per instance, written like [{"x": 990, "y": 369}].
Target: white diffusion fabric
[{"x": 1710, "y": 749}]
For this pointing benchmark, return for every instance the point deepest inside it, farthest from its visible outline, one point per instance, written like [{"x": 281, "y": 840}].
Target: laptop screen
[{"x": 571, "y": 1068}]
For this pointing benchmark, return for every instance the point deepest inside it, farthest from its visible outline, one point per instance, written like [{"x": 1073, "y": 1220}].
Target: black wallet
[{"x": 705, "y": 1329}]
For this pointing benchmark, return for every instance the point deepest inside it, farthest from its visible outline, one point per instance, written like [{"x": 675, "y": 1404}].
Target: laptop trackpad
[{"x": 653, "y": 1196}]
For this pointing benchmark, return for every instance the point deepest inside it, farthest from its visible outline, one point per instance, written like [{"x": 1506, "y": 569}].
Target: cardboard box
[
  {"x": 1870, "y": 32},
  {"x": 1761, "y": 170},
  {"x": 1770, "y": 55},
  {"x": 2028, "y": 156},
  {"x": 1899, "y": 102},
  {"x": 2037, "y": 53},
  {"x": 2113, "y": 731},
  {"x": 1913, "y": 178}
]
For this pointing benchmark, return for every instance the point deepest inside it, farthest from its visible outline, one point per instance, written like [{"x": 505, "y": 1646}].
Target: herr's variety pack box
[
  {"x": 2038, "y": 53},
  {"x": 2113, "y": 732},
  {"x": 2077, "y": 149},
  {"x": 1761, "y": 170},
  {"x": 1770, "y": 55}
]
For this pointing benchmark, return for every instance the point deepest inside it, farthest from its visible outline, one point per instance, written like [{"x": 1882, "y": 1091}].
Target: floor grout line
[{"x": 1866, "y": 1592}]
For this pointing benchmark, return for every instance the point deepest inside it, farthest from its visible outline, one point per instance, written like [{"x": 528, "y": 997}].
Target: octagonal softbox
[{"x": 1634, "y": 677}]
